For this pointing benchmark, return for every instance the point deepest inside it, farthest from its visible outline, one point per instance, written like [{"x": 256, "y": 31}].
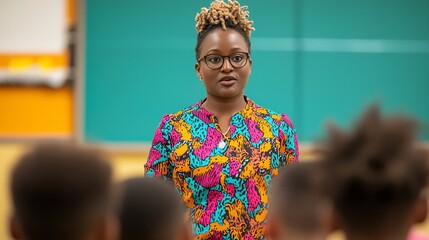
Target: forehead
[{"x": 223, "y": 42}]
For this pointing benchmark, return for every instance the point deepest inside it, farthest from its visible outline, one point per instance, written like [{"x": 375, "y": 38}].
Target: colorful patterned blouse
[{"x": 223, "y": 180}]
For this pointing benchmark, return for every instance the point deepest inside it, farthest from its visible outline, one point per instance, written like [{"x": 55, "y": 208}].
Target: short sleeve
[
  {"x": 158, "y": 163},
  {"x": 289, "y": 148}
]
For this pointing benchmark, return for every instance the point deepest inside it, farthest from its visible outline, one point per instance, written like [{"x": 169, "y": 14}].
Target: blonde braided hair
[{"x": 219, "y": 12}]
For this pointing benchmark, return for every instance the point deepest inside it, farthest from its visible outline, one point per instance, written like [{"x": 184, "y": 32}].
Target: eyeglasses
[{"x": 215, "y": 61}]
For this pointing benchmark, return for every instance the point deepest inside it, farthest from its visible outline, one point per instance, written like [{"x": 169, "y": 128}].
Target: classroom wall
[{"x": 313, "y": 60}]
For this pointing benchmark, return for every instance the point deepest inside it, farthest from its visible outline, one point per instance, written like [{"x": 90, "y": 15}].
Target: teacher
[{"x": 222, "y": 152}]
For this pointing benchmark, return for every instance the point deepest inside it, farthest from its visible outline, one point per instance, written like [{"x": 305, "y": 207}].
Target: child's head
[
  {"x": 300, "y": 208},
  {"x": 378, "y": 176},
  {"x": 150, "y": 208},
  {"x": 61, "y": 192}
]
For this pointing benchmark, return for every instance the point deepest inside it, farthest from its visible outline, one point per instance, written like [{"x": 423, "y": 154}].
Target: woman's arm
[
  {"x": 289, "y": 148},
  {"x": 158, "y": 163}
]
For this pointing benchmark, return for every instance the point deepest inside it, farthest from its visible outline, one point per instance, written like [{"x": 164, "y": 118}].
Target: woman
[{"x": 222, "y": 152}]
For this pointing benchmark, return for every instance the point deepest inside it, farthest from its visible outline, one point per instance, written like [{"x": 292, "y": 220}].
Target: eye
[
  {"x": 214, "y": 58},
  {"x": 237, "y": 58}
]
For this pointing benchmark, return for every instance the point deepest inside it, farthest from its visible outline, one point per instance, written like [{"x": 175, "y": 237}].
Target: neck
[{"x": 224, "y": 106}]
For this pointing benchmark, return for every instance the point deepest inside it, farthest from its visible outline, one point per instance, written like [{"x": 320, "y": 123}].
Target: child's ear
[
  {"x": 14, "y": 228},
  {"x": 272, "y": 230},
  {"x": 329, "y": 218},
  {"x": 187, "y": 233},
  {"x": 421, "y": 210},
  {"x": 108, "y": 229},
  {"x": 333, "y": 222}
]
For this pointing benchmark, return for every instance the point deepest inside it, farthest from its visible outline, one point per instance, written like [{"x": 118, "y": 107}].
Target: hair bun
[{"x": 219, "y": 12}]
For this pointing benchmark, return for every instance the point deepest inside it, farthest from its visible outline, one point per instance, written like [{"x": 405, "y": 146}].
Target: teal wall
[{"x": 314, "y": 60}]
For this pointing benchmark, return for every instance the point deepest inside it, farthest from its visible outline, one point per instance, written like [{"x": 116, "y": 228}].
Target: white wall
[{"x": 32, "y": 26}]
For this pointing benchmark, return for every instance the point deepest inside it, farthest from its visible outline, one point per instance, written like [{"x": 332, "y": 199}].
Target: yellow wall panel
[
  {"x": 18, "y": 62},
  {"x": 71, "y": 12},
  {"x": 33, "y": 111}
]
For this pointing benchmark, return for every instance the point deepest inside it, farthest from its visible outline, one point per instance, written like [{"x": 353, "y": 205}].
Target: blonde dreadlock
[
  {"x": 220, "y": 12},
  {"x": 223, "y": 15}
]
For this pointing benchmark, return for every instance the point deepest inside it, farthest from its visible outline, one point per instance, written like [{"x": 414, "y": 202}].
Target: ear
[
  {"x": 272, "y": 230},
  {"x": 421, "y": 210},
  {"x": 333, "y": 222},
  {"x": 108, "y": 229},
  {"x": 197, "y": 70},
  {"x": 14, "y": 228},
  {"x": 187, "y": 233},
  {"x": 250, "y": 65}
]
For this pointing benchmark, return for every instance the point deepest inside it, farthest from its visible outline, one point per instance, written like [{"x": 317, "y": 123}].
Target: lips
[
  {"x": 228, "y": 78},
  {"x": 228, "y": 81}
]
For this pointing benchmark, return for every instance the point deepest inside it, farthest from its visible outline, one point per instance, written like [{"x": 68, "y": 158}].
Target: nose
[{"x": 226, "y": 66}]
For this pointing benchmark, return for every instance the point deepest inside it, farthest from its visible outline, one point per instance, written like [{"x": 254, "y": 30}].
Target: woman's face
[{"x": 227, "y": 81}]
